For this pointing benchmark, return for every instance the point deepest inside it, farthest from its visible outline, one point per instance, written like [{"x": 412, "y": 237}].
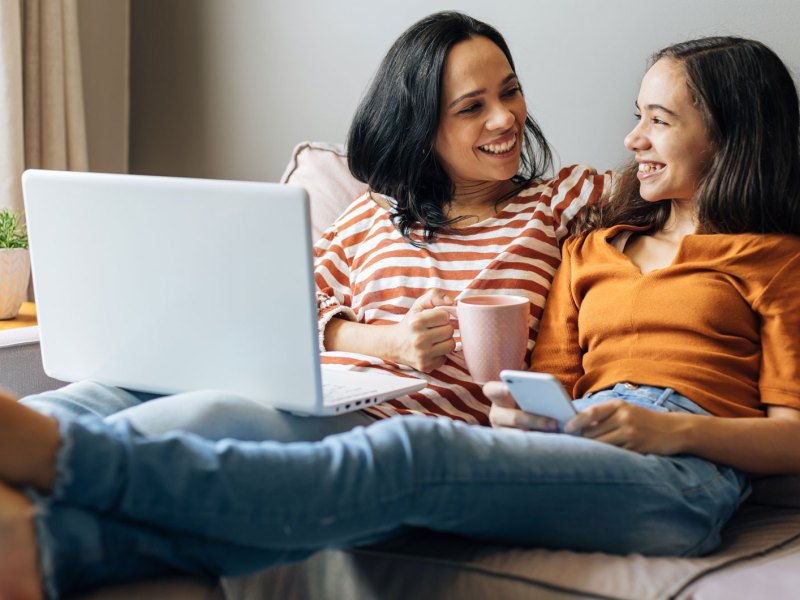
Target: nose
[
  {"x": 637, "y": 138},
  {"x": 500, "y": 118}
]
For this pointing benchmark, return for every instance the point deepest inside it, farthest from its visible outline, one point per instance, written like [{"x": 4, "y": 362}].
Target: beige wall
[
  {"x": 225, "y": 88},
  {"x": 169, "y": 132},
  {"x": 104, "y": 39}
]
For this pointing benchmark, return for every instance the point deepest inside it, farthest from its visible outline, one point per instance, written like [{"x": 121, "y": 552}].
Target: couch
[{"x": 759, "y": 556}]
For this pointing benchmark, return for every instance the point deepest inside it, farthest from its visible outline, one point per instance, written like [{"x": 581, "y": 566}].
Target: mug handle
[{"x": 452, "y": 311}]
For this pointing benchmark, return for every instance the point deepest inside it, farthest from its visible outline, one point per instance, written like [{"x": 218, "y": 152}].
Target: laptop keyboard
[{"x": 334, "y": 393}]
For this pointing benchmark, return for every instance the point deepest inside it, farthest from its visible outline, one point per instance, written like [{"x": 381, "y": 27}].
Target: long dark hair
[
  {"x": 391, "y": 138},
  {"x": 749, "y": 105}
]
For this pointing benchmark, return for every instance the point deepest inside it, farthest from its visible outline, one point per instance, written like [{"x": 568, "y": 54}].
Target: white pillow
[{"x": 321, "y": 169}]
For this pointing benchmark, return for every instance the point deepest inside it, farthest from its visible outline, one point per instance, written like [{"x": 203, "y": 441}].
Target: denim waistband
[{"x": 667, "y": 398}]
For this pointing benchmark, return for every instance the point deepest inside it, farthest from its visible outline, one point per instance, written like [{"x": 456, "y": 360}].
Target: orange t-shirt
[{"x": 720, "y": 325}]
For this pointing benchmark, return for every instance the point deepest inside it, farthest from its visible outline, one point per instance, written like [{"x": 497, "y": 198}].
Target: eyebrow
[
  {"x": 475, "y": 93},
  {"x": 657, "y": 107}
]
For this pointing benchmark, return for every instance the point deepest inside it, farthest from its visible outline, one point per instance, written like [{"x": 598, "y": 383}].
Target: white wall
[{"x": 225, "y": 89}]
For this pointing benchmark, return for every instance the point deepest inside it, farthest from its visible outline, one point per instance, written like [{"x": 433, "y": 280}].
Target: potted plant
[{"x": 15, "y": 264}]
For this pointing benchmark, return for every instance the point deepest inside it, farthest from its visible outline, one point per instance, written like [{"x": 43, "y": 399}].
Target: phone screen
[{"x": 540, "y": 394}]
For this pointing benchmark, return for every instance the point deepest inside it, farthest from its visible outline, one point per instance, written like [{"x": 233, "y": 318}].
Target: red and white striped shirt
[{"x": 365, "y": 271}]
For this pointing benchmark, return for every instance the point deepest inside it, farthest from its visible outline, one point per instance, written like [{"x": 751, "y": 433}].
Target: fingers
[
  {"x": 430, "y": 327},
  {"x": 444, "y": 347},
  {"x": 439, "y": 298},
  {"x": 425, "y": 335},
  {"x": 501, "y": 416},
  {"x": 433, "y": 317},
  {"x": 614, "y": 438},
  {"x": 431, "y": 299},
  {"x": 612, "y": 420},
  {"x": 616, "y": 423},
  {"x": 590, "y": 417},
  {"x": 428, "y": 347},
  {"x": 506, "y": 413},
  {"x": 434, "y": 356},
  {"x": 498, "y": 393}
]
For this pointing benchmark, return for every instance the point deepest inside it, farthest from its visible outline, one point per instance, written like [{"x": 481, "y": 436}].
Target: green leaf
[{"x": 12, "y": 232}]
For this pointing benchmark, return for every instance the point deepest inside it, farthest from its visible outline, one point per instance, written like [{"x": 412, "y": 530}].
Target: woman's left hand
[{"x": 632, "y": 427}]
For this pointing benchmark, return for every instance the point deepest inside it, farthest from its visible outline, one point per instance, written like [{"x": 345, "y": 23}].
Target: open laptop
[{"x": 169, "y": 285}]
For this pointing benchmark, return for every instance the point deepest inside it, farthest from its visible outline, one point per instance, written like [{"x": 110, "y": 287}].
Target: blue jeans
[
  {"x": 213, "y": 415},
  {"x": 125, "y": 505}
]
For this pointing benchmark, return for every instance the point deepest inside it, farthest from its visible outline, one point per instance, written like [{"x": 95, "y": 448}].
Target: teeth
[
  {"x": 650, "y": 167},
  {"x": 499, "y": 148}
]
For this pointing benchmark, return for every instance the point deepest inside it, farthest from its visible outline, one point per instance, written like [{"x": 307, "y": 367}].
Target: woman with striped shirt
[{"x": 457, "y": 205}]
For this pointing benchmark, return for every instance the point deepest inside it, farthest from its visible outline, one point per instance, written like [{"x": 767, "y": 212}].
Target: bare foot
[
  {"x": 28, "y": 445},
  {"x": 19, "y": 570}
]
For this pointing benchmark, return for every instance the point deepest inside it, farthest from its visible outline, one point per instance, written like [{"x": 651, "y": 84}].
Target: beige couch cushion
[
  {"x": 422, "y": 564},
  {"x": 21, "y": 363},
  {"x": 322, "y": 170}
]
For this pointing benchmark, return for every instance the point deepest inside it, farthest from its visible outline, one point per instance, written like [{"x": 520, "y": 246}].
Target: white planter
[{"x": 15, "y": 272}]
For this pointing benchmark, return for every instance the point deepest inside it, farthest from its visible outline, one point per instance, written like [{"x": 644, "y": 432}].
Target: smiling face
[
  {"x": 482, "y": 120},
  {"x": 670, "y": 140}
]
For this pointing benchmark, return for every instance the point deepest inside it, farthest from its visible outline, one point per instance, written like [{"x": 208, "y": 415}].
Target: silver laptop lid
[{"x": 171, "y": 284}]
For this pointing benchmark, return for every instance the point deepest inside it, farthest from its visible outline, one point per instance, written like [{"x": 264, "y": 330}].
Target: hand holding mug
[
  {"x": 424, "y": 338},
  {"x": 494, "y": 333}
]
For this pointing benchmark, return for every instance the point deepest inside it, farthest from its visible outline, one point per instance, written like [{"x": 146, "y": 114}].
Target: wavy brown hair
[{"x": 749, "y": 105}]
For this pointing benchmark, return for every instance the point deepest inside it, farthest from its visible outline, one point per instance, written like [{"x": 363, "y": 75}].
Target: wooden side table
[{"x": 25, "y": 318}]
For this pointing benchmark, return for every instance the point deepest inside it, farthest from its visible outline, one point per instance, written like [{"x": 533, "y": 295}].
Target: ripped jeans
[{"x": 126, "y": 506}]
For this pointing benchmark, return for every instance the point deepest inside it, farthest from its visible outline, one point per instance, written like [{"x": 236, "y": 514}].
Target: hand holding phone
[{"x": 540, "y": 394}]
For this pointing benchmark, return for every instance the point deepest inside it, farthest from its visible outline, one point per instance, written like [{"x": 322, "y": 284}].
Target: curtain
[{"x": 41, "y": 92}]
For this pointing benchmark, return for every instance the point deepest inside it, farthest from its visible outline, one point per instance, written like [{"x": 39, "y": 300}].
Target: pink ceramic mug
[{"x": 494, "y": 333}]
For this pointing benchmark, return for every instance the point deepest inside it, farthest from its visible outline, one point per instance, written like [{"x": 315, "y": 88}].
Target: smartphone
[{"x": 540, "y": 394}]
